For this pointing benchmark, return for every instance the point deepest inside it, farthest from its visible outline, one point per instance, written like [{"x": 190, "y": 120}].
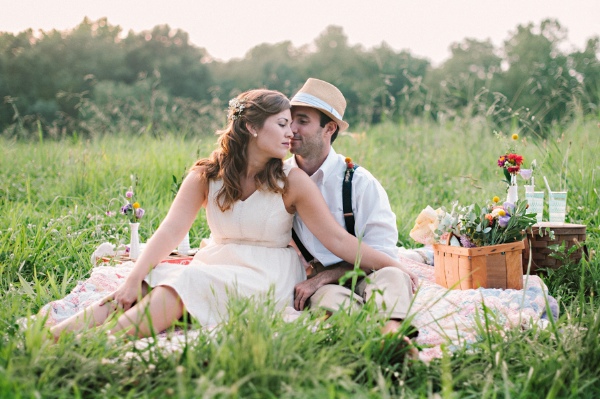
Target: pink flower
[
  {"x": 129, "y": 194},
  {"x": 139, "y": 212},
  {"x": 526, "y": 173}
]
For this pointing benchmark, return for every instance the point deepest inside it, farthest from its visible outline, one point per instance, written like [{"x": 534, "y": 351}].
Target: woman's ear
[{"x": 251, "y": 129}]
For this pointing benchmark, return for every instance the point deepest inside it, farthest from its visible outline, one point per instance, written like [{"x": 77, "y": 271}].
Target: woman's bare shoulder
[
  {"x": 198, "y": 173},
  {"x": 297, "y": 178}
]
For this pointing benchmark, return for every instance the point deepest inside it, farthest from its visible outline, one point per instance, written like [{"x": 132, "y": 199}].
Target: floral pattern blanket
[{"x": 442, "y": 316}]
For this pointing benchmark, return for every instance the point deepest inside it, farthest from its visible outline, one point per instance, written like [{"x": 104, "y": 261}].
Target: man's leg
[
  {"x": 333, "y": 297},
  {"x": 392, "y": 291}
]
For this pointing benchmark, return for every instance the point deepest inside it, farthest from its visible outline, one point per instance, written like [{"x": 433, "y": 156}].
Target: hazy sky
[{"x": 229, "y": 28}]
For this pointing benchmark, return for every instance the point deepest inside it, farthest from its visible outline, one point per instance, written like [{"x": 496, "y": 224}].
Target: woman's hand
[{"x": 126, "y": 295}]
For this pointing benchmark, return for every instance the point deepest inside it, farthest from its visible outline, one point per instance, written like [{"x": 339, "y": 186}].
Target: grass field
[{"x": 53, "y": 202}]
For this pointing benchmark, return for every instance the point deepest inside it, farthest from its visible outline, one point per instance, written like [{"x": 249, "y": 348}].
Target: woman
[{"x": 250, "y": 200}]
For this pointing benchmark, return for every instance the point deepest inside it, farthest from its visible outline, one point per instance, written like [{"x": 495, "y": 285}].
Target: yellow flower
[
  {"x": 496, "y": 199},
  {"x": 515, "y": 136},
  {"x": 136, "y": 205},
  {"x": 501, "y": 212},
  {"x": 348, "y": 159}
]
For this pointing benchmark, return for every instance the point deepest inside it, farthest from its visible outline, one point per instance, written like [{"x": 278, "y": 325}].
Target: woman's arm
[
  {"x": 190, "y": 198},
  {"x": 304, "y": 197}
]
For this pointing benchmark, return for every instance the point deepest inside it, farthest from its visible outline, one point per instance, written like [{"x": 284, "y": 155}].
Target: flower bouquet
[
  {"x": 132, "y": 209},
  {"x": 473, "y": 225},
  {"x": 133, "y": 212},
  {"x": 510, "y": 162}
]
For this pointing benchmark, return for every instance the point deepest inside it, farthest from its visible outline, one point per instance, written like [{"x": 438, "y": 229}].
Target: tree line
[{"x": 94, "y": 80}]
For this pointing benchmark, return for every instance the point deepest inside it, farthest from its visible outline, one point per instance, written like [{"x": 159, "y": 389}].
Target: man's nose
[{"x": 288, "y": 132}]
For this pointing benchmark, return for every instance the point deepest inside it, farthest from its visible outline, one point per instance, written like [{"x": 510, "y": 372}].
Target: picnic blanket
[{"x": 442, "y": 316}]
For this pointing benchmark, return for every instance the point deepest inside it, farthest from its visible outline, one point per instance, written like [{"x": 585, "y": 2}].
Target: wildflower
[
  {"x": 129, "y": 194},
  {"x": 503, "y": 221},
  {"x": 136, "y": 205},
  {"x": 139, "y": 212},
  {"x": 509, "y": 207},
  {"x": 498, "y": 211},
  {"x": 515, "y": 136},
  {"x": 466, "y": 242},
  {"x": 496, "y": 199}
]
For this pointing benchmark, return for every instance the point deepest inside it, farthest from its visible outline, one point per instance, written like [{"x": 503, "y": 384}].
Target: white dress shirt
[{"x": 374, "y": 220}]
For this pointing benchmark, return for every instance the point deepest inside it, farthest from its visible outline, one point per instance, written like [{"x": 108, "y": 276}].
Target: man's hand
[
  {"x": 331, "y": 275},
  {"x": 304, "y": 290}
]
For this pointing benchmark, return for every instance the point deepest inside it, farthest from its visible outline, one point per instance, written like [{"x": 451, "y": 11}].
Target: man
[{"x": 317, "y": 118}]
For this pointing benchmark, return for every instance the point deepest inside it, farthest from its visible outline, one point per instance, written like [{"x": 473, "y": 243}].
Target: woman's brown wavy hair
[{"x": 230, "y": 159}]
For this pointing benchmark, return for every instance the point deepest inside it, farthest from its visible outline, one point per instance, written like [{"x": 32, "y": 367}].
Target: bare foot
[{"x": 391, "y": 330}]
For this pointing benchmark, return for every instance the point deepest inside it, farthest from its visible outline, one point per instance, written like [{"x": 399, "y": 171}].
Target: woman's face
[{"x": 274, "y": 137}]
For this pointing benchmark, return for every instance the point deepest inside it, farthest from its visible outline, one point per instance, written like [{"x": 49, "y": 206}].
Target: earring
[{"x": 255, "y": 134}]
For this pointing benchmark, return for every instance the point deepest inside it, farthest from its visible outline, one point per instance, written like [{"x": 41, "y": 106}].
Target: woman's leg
[
  {"x": 92, "y": 316},
  {"x": 156, "y": 312}
]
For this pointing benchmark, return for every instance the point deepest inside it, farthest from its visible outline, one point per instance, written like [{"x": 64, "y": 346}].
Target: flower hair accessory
[{"x": 236, "y": 107}]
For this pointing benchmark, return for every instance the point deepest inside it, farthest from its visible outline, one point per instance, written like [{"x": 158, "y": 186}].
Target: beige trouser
[{"x": 390, "y": 287}]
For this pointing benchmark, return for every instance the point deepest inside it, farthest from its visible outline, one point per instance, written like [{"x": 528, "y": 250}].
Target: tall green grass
[{"x": 53, "y": 199}]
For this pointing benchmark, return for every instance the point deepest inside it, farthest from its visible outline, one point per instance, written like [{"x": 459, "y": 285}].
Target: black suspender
[
  {"x": 307, "y": 255},
  {"x": 347, "y": 196},
  {"x": 347, "y": 206}
]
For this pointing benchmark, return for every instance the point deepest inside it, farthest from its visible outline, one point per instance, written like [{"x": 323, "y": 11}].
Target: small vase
[
  {"x": 184, "y": 247},
  {"x": 513, "y": 193},
  {"x": 134, "y": 245}
]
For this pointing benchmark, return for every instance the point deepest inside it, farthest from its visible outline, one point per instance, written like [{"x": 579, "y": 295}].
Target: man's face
[{"x": 309, "y": 139}]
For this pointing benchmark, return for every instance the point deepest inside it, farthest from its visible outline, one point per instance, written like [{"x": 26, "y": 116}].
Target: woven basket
[
  {"x": 494, "y": 266},
  {"x": 570, "y": 234}
]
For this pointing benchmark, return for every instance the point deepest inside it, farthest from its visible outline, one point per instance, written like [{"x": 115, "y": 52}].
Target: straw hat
[{"x": 325, "y": 97}]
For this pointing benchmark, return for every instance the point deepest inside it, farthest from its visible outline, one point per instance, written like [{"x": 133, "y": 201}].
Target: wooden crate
[
  {"x": 494, "y": 266},
  {"x": 570, "y": 234}
]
